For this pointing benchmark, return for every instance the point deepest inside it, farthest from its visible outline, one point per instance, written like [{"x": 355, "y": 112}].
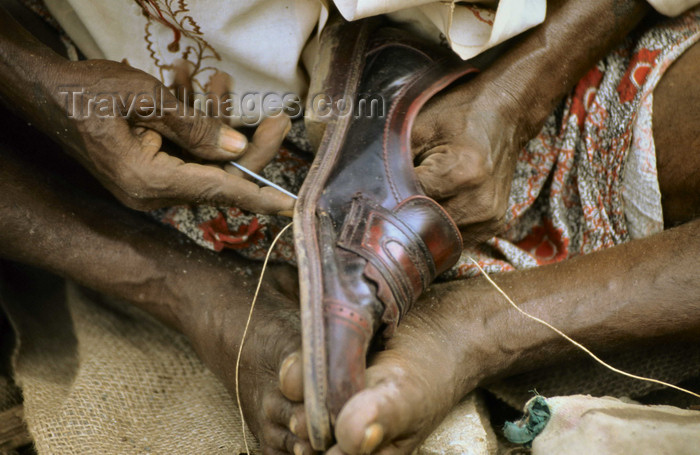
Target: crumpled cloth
[
  {"x": 609, "y": 426},
  {"x": 99, "y": 377},
  {"x": 525, "y": 430},
  {"x": 587, "y": 182},
  {"x": 267, "y": 46}
]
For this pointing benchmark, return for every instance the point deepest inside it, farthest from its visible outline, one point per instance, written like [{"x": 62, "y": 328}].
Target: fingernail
[
  {"x": 286, "y": 365},
  {"x": 373, "y": 436},
  {"x": 298, "y": 449},
  {"x": 287, "y": 213},
  {"x": 232, "y": 141},
  {"x": 293, "y": 422}
]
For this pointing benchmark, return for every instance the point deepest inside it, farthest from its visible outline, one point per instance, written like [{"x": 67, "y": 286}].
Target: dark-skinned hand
[{"x": 125, "y": 151}]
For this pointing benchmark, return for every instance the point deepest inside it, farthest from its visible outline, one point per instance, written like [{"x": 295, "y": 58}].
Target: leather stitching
[
  {"x": 415, "y": 200},
  {"x": 387, "y": 125}
]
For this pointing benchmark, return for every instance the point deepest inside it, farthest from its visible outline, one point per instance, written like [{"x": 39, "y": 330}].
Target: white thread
[
  {"x": 576, "y": 343},
  {"x": 245, "y": 332}
]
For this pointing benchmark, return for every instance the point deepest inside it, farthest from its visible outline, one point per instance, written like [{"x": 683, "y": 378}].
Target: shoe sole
[
  {"x": 309, "y": 262},
  {"x": 309, "y": 257}
]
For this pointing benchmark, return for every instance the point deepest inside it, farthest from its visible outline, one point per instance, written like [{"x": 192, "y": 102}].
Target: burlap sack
[
  {"x": 674, "y": 363},
  {"x": 101, "y": 377},
  {"x": 102, "y": 380}
]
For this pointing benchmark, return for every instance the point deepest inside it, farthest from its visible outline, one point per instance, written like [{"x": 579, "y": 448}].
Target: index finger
[{"x": 199, "y": 184}]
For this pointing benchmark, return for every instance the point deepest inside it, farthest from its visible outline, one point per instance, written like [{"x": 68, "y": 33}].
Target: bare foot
[
  {"x": 463, "y": 333},
  {"x": 427, "y": 367},
  {"x": 271, "y": 387}
]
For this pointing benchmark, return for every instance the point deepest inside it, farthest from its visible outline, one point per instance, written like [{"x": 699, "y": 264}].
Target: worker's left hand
[{"x": 465, "y": 146}]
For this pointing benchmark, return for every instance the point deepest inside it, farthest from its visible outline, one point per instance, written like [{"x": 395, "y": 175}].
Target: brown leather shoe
[{"x": 368, "y": 240}]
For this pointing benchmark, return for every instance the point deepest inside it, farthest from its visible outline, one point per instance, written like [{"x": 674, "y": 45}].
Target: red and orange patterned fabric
[{"x": 586, "y": 182}]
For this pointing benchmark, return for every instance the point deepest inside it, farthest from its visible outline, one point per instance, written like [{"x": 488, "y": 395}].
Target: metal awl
[{"x": 262, "y": 179}]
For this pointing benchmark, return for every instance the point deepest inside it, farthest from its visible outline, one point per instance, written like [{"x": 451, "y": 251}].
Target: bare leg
[
  {"x": 677, "y": 138},
  {"x": 464, "y": 334},
  {"x": 52, "y": 222}
]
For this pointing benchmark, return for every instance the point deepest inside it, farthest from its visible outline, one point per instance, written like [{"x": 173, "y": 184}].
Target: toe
[
  {"x": 297, "y": 423},
  {"x": 360, "y": 427},
  {"x": 279, "y": 410},
  {"x": 291, "y": 377},
  {"x": 388, "y": 450},
  {"x": 302, "y": 448},
  {"x": 280, "y": 438},
  {"x": 380, "y": 414}
]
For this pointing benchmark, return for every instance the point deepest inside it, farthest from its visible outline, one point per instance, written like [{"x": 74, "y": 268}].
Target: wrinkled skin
[
  {"x": 124, "y": 255},
  {"x": 458, "y": 328},
  {"x": 466, "y": 161},
  {"x": 463, "y": 334},
  {"x": 466, "y": 140},
  {"x": 134, "y": 167},
  {"x": 83, "y": 234},
  {"x": 271, "y": 386}
]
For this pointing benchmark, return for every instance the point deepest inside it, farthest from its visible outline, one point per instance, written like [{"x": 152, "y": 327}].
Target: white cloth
[
  {"x": 260, "y": 43},
  {"x": 606, "y": 426},
  {"x": 673, "y": 7},
  {"x": 468, "y": 28}
]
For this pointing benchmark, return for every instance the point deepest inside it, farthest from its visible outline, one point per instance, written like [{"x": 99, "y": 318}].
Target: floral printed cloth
[{"x": 587, "y": 182}]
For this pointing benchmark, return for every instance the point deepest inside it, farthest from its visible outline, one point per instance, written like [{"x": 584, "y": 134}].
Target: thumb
[{"x": 205, "y": 137}]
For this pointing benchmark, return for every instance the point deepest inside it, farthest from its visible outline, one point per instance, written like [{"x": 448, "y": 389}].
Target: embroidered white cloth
[
  {"x": 257, "y": 43},
  {"x": 265, "y": 45},
  {"x": 261, "y": 44}
]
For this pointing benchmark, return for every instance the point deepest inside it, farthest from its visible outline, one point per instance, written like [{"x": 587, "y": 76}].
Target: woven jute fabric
[
  {"x": 101, "y": 377},
  {"x": 674, "y": 363},
  {"x": 10, "y": 394}
]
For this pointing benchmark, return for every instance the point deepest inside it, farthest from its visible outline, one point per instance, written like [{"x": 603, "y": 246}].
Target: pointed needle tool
[{"x": 262, "y": 179}]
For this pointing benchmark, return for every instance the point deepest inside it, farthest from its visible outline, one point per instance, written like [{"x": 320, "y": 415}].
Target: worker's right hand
[
  {"x": 465, "y": 146},
  {"x": 123, "y": 149}
]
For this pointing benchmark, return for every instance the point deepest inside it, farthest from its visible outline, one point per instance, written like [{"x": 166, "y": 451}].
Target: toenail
[
  {"x": 286, "y": 365},
  {"x": 298, "y": 450},
  {"x": 293, "y": 423},
  {"x": 373, "y": 436}
]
